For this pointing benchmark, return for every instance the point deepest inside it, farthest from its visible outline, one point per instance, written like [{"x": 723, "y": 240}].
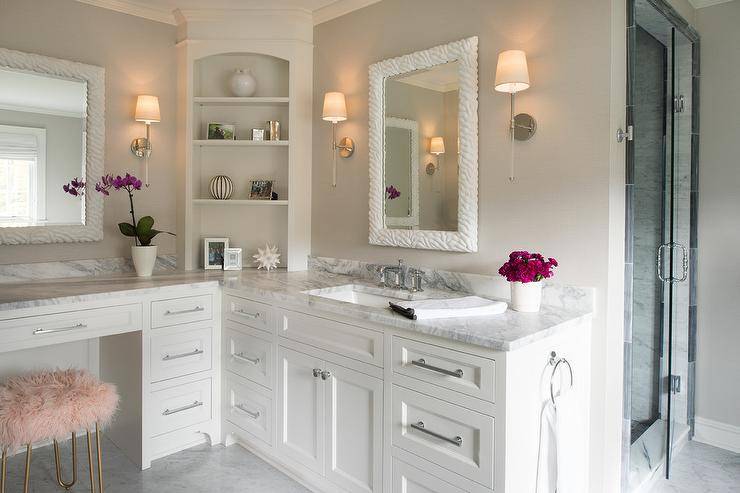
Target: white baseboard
[{"x": 717, "y": 434}]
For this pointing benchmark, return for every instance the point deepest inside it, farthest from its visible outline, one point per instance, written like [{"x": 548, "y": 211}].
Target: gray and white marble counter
[{"x": 508, "y": 331}]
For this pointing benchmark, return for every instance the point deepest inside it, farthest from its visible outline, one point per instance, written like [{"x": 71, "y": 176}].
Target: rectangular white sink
[{"x": 362, "y": 295}]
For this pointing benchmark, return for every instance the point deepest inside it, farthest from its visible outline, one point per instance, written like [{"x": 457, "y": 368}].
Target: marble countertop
[{"x": 505, "y": 332}]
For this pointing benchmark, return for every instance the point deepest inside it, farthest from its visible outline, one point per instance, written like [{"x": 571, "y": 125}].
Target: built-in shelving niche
[{"x": 249, "y": 224}]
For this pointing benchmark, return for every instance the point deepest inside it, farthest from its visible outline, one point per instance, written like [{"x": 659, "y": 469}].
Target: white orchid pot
[
  {"x": 144, "y": 259},
  {"x": 526, "y": 296}
]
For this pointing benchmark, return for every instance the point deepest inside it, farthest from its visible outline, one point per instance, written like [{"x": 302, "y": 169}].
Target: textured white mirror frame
[
  {"x": 413, "y": 127},
  {"x": 465, "y": 239},
  {"x": 92, "y": 230}
]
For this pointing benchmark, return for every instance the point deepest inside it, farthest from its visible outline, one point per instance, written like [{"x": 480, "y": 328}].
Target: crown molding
[
  {"x": 339, "y": 8},
  {"x": 134, "y": 8},
  {"x": 700, "y": 4},
  {"x": 215, "y": 15}
]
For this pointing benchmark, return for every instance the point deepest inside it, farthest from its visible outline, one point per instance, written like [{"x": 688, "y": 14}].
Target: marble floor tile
[
  {"x": 201, "y": 469},
  {"x": 701, "y": 468}
]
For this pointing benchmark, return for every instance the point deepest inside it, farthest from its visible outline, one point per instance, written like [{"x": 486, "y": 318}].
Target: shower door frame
[{"x": 682, "y": 26}]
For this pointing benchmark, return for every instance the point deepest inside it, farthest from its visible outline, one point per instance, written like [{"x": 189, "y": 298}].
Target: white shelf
[
  {"x": 240, "y": 143},
  {"x": 221, "y": 101},
  {"x": 273, "y": 203}
]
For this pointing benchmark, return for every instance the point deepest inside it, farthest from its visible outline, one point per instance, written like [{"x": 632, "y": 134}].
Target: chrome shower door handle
[
  {"x": 659, "y": 262},
  {"x": 684, "y": 262}
]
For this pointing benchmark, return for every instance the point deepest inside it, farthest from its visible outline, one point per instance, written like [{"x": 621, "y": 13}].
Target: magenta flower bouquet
[{"x": 524, "y": 271}]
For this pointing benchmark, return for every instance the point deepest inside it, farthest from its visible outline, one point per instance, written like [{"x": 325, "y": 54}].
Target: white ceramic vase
[
  {"x": 243, "y": 83},
  {"x": 144, "y": 259},
  {"x": 526, "y": 296}
]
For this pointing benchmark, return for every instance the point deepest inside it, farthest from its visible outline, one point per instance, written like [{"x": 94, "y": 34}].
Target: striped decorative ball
[{"x": 221, "y": 187}]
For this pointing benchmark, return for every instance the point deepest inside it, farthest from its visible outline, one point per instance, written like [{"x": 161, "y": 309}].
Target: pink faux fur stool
[{"x": 53, "y": 405}]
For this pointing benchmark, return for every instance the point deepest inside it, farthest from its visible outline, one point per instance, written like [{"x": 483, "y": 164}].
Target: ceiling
[
  {"x": 162, "y": 10},
  {"x": 32, "y": 93}
]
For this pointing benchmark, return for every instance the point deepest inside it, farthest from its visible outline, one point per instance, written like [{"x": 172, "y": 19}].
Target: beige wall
[
  {"x": 718, "y": 330},
  {"x": 139, "y": 58},
  {"x": 561, "y": 204}
]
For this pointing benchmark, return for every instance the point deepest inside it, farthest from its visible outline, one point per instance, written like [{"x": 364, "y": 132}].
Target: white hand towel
[
  {"x": 468, "y": 306},
  {"x": 547, "y": 457}
]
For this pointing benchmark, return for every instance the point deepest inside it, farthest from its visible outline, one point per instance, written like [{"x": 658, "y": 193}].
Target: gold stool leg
[
  {"x": 57, "y": 462},
  {"x": 27, "y": 478},
  {"x": 90, "y": 460},
  {"x": 3, "y": 473}
]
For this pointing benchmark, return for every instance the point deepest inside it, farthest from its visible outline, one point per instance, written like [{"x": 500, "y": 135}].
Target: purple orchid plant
[{"x": 142, "y": 230}]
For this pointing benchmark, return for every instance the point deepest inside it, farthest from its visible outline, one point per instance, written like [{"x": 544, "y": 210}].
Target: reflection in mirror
[
  {"x": 429, "y": 98},
  {"x": 42, "y": 147}
]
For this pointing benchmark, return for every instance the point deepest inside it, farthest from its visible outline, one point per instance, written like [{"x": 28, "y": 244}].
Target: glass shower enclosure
[{"x": 660, "y": 239}]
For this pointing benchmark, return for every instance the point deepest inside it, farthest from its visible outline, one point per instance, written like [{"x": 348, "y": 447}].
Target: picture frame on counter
[
  {"x": 233, "y": 259},
  {"x": 260, "y": 190},
  {"x": 214, "y": 251},
  {"x": 221, "y": 131},
  {"x": 258, "y": 134}
]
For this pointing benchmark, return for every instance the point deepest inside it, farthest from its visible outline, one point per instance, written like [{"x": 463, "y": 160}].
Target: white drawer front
[
  {"x": 248, "y": 312},
  {"x": 70, "y": 326},
  {"x": 181, "y": 406},
  {"x": 249, "y": 410},
  {"x": 348, "y": 340},
  {"x": 408, "y": 479},
  {"x": 174, "y": 354},
  {"x": 248, "y": 356},
  {"x": 182, "y": 310},
  {"x": 453, "y": 370},
  {"x": 453, "y": 437}
]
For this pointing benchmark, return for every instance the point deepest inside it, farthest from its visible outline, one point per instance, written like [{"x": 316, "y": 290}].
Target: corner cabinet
[
  {"x": 359, "y": 407},
  {"x": 283, "y": 71}
]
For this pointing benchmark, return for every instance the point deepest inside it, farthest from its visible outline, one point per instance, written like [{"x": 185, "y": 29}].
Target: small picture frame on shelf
[
  {"x": 214, "y": 250},
  {"x": 233, "y": 259},
  {"x": 260, "y": 190},
  {"x": 221, "y": 131},
  {"x": 258, "y": 134}
]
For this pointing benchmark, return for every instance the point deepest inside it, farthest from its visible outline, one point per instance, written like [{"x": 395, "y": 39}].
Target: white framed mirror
[
  {"x": 52, "y": 130},
  {"x": 424, "y": 149}
]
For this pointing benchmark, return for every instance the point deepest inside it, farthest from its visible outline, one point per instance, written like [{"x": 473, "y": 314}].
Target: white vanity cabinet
[{"x": 361, "y": 407}]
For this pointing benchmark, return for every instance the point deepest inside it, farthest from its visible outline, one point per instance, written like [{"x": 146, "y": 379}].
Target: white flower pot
[
  {"x": 243, "y": 83},
  {"x": 144, "y": 259},
  {"x": 526, "y": 296}
]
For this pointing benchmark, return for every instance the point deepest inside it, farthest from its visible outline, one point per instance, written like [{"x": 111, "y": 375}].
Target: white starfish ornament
[{"x": 267, "y": 258}]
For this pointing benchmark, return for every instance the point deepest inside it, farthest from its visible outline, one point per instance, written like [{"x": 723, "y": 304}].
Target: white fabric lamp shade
[
  {"x": 335, "y": 107},
  {"x": 511, "y": 71},
  {"x": 437, "y": 145},
  {"x": 147, "y": 109}
]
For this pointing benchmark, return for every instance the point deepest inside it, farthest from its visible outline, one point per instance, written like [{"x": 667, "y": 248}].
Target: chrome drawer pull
[
  {"x": 61, "y": 329},
  {"x": 423, "y": 364},
  {"x": 454, "y": 441},
  {"x": 183, "y": 355},
  {"x": 247, "y": 314},
  {"x": 240, "y": 356},
  {"x": 253, "y": 415},
  {"x": 167, "y": 412},
  {"x": 182, "y": 312}
]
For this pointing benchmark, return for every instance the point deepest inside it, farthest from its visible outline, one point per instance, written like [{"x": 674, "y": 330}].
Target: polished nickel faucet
[{"x": 394, "y": 276}]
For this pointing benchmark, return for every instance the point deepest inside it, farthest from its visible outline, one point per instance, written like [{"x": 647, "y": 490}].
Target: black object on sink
[{"x": 406, "y": 312}]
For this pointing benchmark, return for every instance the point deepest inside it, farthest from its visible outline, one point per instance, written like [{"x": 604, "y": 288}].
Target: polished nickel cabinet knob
[{"x": 326, "y": 374}]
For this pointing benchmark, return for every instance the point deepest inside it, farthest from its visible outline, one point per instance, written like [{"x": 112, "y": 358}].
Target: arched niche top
[{"x": 212, "y": 73}]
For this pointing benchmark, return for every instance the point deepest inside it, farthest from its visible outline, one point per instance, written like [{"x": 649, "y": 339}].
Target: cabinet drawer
[
  {"x": 348, "y": 340},
  {"x": 178, "y": 353},
  {"x": 248, "y": 409},
  {"x": 248, "y": 312},
  {"x": 70, "y": 326},
  {"x": 248, "y": 356},
  {"x": 409, "y": 479},
  {"x": 181, "y": 406},
  {"x": 447, "y": 368},
  {"x": 182, "y": 310},
  {"x": 453, "y": 437}
]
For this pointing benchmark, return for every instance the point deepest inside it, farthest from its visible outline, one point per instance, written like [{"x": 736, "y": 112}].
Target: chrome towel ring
[{"x": 555, "y": 362}]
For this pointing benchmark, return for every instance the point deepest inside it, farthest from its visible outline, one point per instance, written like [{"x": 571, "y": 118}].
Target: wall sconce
[
  {"x": 147, "y": 111},
  {"x": 512, "y": 76},
  {"x": 436, "y": 147},
  {"x": 335, "y": 110}
]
